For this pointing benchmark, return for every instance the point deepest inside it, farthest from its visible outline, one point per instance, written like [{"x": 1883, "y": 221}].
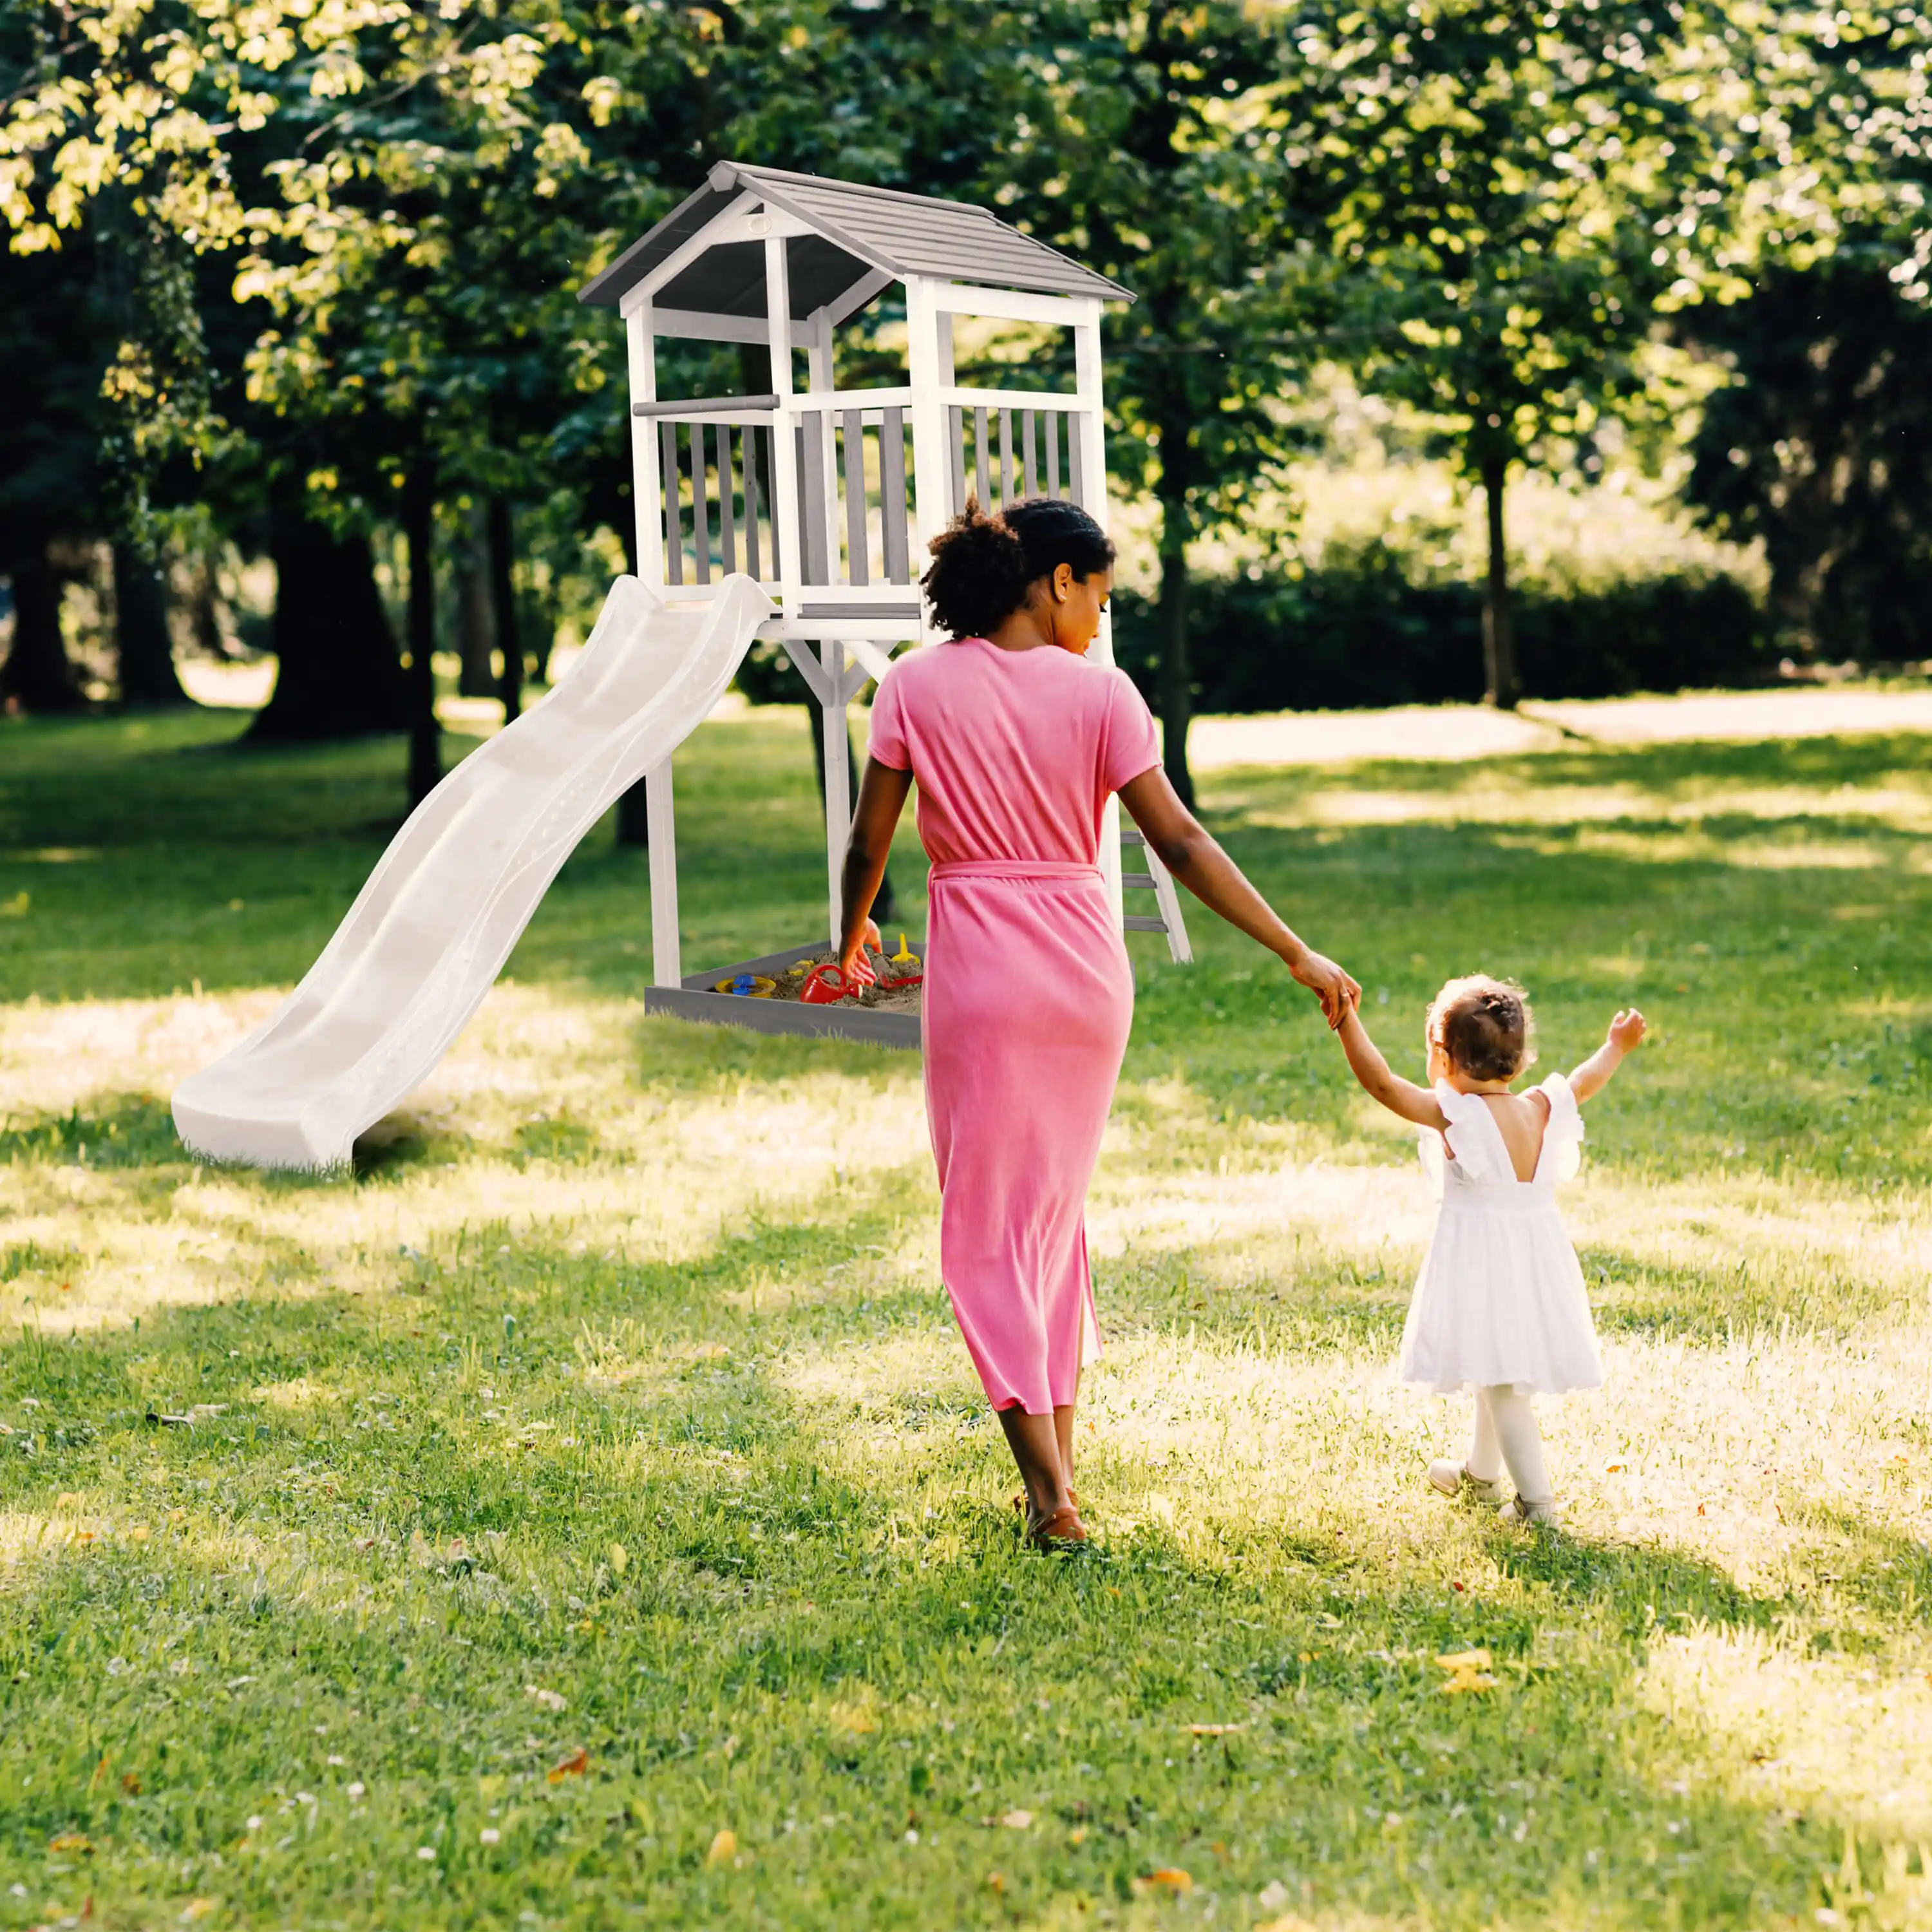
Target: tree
[
  {"x": 1145, "y": 155},
  {"x": 1516, "y": 193}
]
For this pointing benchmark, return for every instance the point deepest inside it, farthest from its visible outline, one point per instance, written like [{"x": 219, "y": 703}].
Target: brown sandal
[{"x": 1062, "y": 1530}]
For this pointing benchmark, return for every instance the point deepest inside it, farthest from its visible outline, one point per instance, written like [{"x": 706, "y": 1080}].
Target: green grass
[{"x": 619, "y": 1372}]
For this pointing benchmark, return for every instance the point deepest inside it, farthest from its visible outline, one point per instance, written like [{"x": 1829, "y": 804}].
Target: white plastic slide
[{"x": 429, "y": 932}]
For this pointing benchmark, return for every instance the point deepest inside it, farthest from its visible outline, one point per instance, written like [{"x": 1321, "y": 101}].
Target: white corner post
[
  {"x": 1090, "y": 426},
  {"x": 647, "y": 491},
  {"x": 928, "y": 370},
  {"x": 835, "y": 730}
]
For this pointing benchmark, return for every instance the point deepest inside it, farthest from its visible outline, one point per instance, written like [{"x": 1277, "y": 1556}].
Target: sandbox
[{"x": 886, "y": 1015}]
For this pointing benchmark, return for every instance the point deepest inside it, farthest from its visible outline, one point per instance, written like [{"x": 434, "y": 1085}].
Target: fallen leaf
[
  {"x": 1168, "y": 1878},
  {"x": 130, "y": 1784},
  {"x": 1215, "y": 1730},
  {"x": 723, "y": 1849},
  {"x": 1017, "y": 1821},
  {"x": 995, "y": 1882},
  {"x": 71, "y": 1841},
  {"x": 550, "y": 1700},
  {"x": 1616, "y": 1469},
  {"x": 1464, "y": 1659},
  {"x": 574, "y": 1766},
  {"x": 620, "y": 1558},
  {"x": 197, "y": 1908},
  {"x": 1078, "y": 1836}
]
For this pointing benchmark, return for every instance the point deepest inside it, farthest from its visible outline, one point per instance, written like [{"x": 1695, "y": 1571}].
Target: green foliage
[{"x": 1359, "y": 630}]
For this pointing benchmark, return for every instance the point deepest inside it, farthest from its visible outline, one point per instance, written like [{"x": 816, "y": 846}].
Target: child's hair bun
[{"x": 1484, "y": 1026}]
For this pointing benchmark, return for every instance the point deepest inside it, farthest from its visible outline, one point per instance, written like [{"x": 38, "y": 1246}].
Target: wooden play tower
[{"x": 827, "y": 495}]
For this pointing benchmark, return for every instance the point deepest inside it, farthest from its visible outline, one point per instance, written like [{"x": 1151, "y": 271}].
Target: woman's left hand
[
  {"x": 1337, "y": 991},
  {"x": 857, "y": 969}
]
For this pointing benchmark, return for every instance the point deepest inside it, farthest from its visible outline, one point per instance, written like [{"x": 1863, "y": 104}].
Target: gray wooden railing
[{"x": 988, "y": 461}]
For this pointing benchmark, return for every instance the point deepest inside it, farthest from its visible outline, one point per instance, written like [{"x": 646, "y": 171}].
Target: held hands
[
  {"x": 1336, "y": 990},
  {"x": 1627, "y": 1030},
  {"x": 857, "y": 970}
]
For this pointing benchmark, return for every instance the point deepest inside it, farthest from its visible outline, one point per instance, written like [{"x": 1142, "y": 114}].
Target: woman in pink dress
[{"x": 1016, "y": 743}]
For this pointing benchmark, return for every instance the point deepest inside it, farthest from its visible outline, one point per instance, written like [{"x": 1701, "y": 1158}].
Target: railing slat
[
  {"x": 673, "y": 521},
  {"x": 812, "y": 496},
  {"x": 1029, "y": 450},
  {"x": 892, "y": 505},
  {"x": 701, "y": 512},
  {"x": 1076, "y": 468},
  {"x": 858, "y": 563},
  {"x": 727, "y": 521},
  {"x": 1051, "y": 426},
  {"x": 751, "y": 469},
  {"x": 956, "y": 440},
  {"x": 1005, "y": 457},
  {"x": 979, "y": 454}
]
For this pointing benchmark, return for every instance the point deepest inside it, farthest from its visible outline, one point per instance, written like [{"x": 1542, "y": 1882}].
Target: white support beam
[
  {"x": 1090, "y": 426},
  {"x": 929, "y": 365},
  {"x": 855, "y": 298},
  {"x": 689, "y": 325},
  {"x": 666, "y": 970},
  {"x": 838, "y": 780},
  {"x": 818, "y": 332},
  {"x": 673, "y": 265},
  {"x": 647, "y": 481},
  {"x": 1012, "y": 305},
  {"x": 783, "y": 481}
]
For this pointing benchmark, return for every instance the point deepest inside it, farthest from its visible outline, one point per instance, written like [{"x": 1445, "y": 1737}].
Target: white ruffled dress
[{"x": 1501, "y": 1297}]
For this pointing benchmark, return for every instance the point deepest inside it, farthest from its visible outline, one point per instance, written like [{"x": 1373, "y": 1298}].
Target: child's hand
[{"x": 1627, "y": 1030}]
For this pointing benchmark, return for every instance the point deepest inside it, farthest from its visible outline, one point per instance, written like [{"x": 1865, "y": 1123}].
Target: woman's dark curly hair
[
  {"x": 984, "y": 568},
  {"x": 1485, "y": 1026}
]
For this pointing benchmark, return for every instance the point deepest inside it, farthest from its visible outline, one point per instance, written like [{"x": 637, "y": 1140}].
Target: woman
[{"x": 1016, "y": 743}]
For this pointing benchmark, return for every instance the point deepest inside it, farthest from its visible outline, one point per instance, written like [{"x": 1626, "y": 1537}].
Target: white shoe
[
  {"x": 1531, "y": 1515},
  {"x": 1451, "y": 1479}
]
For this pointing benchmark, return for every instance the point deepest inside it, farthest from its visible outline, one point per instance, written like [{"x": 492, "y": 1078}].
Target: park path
[{"x": 1472, "y": 731}]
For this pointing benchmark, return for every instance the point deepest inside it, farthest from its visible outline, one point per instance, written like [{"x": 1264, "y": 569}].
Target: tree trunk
[
  {"x": 475, "y": 631},
  {"x": 37, "y": 675},
  {"x": 501, "y": 539},
  {"x": 141, "y": 636},
  {"x": 338, "y": 674},
  {"x": 425, "y": 741},
  {"x": 1177, "y": 677},
  {"x": 1498, "y": 635}
]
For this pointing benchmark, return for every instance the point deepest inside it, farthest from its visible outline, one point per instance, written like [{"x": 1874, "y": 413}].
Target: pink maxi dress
[{"x": 1029, "y": 995}]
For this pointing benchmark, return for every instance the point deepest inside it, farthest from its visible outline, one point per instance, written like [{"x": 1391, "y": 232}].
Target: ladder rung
[
  {"x": 1138, "y": 882},
  {"x": 1140, "y": 922},
  {"x": 1130, "y": 837}
]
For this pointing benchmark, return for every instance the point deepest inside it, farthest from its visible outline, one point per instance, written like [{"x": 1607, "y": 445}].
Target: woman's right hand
[
  {"x": 1336, "y": 990},
  {"x": 857, "y": 969}
]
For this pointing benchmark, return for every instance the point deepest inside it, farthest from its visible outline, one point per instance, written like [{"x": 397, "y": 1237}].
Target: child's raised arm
[
  {"x": 1400, "y": 1096},
  {"x": 1594, "y": 1075}
]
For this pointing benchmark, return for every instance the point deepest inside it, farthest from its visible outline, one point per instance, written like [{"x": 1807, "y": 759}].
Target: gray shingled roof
[{"x": 858, "y": 231}]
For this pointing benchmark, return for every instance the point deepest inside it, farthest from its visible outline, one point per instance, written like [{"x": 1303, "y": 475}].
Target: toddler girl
[{"x": 1499, "y": 1306}]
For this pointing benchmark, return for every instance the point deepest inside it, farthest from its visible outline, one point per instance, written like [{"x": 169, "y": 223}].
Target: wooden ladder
[{"x": 1159, "y": 881}]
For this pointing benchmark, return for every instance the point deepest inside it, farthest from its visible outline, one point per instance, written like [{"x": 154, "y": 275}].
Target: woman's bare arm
[
  {"x": 1398, "y": 1095},
  {"x": 1188, "y": 850},
  {"x": 882, "y": 797}
]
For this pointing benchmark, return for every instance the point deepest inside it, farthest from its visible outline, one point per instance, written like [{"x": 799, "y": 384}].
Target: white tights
[{"x": 1507, "y": 1436}]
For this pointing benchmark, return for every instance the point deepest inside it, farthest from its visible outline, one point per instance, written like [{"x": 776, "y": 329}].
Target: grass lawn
[{"x": 585, "y": 1516}]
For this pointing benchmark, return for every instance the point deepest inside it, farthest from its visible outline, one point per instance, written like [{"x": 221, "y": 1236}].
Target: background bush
[{"x": 1360, "y": 630}]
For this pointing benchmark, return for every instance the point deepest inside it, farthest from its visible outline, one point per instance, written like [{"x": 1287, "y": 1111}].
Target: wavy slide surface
[{"x": 429, "y": 932}]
